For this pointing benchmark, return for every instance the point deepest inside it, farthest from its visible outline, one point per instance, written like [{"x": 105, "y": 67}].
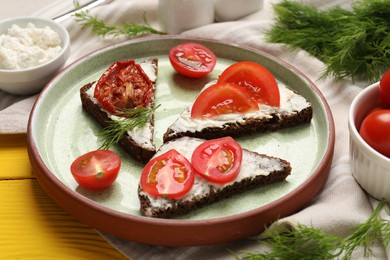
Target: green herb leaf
[
  {"x": 132, "y": 118},
  {"x": 304, "y": 242},
  {"x": 353, "y": 44},
  {"x": 100, "y": 28}
]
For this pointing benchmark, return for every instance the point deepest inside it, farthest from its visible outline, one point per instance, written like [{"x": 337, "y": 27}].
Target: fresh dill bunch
[
  {"x": 298, "y": 243},
  {"x": 303, "y": 26},
  {"x": 353, "y": 44},
  {"x": 362, "y": 50},
  {"x": 101, "y": 28},
  {"x": 132, "y": 118},
  {"x": 304, "y": 242}
]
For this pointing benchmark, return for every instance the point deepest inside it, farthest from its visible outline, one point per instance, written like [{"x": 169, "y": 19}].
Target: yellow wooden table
[{"x": 32, "y": 225}]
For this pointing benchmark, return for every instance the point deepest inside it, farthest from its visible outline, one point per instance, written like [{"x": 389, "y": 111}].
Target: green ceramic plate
[{"x": 59, "y": 131}]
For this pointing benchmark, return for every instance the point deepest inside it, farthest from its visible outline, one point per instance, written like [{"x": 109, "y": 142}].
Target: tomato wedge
[
  {"x": 96, "y": 170},
  {"x": 123, "y": 85},
  {"x": 258, "y": 81},
  {"x": 222, "y": 98},
  {"x": 168, "y": 175},
  {"x": 218, "y": 160},
  {"x": 192, "y": 59}
]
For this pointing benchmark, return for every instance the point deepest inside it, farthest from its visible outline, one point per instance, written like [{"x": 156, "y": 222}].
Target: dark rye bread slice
[
  {"x": 256, "y": 170},
  {"x": 294, "y": 111},
  {"x": 142, "y": 152}
]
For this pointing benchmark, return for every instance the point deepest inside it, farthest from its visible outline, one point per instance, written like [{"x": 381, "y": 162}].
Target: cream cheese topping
[
  {"x": 142, "y": 136},
  {"x": 251, "y": 167},
  {"x": 290, "y": 103},
  {"x": 150, "y": 69}
]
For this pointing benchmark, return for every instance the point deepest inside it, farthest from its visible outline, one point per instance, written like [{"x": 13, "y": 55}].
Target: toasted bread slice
[
  {"x": 294, "y": 110},
  {"x": 137, "y": 142},
  {"x": 256, "y": 170}
]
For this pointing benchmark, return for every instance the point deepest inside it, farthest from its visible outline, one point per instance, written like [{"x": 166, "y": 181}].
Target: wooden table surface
[{"x": 32, "y": 225}]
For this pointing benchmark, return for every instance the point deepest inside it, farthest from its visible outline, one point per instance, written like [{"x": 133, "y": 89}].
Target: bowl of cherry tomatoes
[{"x": 369, "y": 128}]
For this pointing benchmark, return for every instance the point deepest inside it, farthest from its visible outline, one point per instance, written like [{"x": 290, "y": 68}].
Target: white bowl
[
  {"x": 370, "y": 168},
  {"x": 32, "y": 80}
]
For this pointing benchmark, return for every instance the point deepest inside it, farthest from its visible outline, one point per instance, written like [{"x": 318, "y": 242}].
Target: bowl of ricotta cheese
[{"x": 32, "y": 51}]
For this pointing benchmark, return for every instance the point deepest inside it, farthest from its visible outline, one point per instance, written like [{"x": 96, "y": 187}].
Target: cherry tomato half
[
  {"x": 123, "y": 85},
  {"x": 223, "y": 98},
  {"x": 168, "y": 175},
  {"x": 375, "y": 130},
  {"x": 259, "y": 82},
  {"x": 384, "y": 90},
  {"x": 96, "y": 170},
  {"x": 218, "y": 160},
  {"x": 192, "y": 59}
]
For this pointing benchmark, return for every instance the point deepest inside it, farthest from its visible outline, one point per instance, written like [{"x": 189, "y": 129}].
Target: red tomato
[
  {"x": 192, "y": 59},
  {"x": 222, "y": 98},
  {"x": 384, "y": 90},
  {"x": 168, "y": 175},
  {"x": 123, "y": 85},
  {"x": 259, "y": 82},
  {"x": 218, "y": 160},
  {"x": 375, "y": 130},
  {"x": 96, "y": 170}
]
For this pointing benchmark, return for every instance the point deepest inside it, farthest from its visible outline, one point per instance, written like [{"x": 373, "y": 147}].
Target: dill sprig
[
  {"x": 353, "y": 44},
  {"x": 133, "y": 118},
  {"x": 304, "y": 242},
  {"x": 101, "y": 28},
  {"x": 366, "y": 233}
]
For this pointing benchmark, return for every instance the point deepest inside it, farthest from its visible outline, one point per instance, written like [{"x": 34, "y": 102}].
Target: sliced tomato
[
  {"x": 259, "y": 82},
  {"x": 168, "y": 175},
  {"x": 223, "y": 98},
  {"x": 218, "y": 160},
  {"x": 192, "y": 59},
  {"x": 123, "y": 85},
  {"x": 96, "y": 170}
]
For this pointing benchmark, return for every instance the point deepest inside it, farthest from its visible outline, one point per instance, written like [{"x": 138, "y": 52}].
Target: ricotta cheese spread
[
  {"x": 251, "y": 167},
  {"x": 22, "y": 48}
]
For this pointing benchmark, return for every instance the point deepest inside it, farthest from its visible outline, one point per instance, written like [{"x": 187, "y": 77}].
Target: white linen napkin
[{"x": 336, "y": 209}]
